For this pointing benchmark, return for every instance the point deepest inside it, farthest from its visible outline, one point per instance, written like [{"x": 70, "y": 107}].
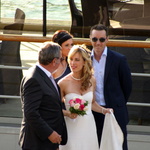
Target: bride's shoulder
[{"x": 64, "y": 80}]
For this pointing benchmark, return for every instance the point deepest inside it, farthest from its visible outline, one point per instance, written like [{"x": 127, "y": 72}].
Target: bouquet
[{"x": 78, "y": 106}]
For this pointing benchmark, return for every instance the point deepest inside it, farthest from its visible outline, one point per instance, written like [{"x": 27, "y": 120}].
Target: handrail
[
  {"x": 13, "y": 67},
  {"x": 112, "y": 43},
  {"x": 10, "y": 96},
  {"x": 138, "y": 104},
  {"x": 141, "y": 74}
]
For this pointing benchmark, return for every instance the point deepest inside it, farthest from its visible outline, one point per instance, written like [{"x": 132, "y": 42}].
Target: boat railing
[{"x": 111, "y": 43}]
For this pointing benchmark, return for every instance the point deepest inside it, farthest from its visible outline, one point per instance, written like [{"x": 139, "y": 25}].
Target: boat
[{"x": 128, "y": 20}]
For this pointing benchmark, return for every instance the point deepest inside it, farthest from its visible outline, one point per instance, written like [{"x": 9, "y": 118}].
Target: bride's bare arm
[{"x": 96, "y": 107}]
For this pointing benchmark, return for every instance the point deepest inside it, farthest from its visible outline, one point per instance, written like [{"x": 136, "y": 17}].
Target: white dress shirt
[{"x": 99, "y": 70}]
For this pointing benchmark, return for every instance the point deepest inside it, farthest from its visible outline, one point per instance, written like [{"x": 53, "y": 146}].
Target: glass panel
[
  {"x": 11, "y": 107},
  {"x": 126, "y": 19}
]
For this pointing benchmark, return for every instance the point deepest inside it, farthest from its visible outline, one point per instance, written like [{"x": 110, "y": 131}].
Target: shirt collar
[{"x": 46, "y": 71}]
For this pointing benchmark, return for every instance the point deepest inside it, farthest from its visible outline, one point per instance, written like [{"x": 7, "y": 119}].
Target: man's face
[{"x": 98, "y": 40}]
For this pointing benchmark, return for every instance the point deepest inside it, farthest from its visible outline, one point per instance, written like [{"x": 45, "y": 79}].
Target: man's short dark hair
[
  {"x": 99, "y": 27},
  {"x": 48, "y": 52}
]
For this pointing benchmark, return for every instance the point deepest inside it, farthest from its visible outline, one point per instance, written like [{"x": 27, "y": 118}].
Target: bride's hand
[
  {"x": 107, "y": 110},
  {"x": 72, "y": 115}
]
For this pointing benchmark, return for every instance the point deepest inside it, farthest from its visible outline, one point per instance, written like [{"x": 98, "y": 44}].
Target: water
[{"x": 56, "y": 9}]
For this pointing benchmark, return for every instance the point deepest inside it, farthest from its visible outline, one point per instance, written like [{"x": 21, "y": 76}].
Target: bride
[{"x": 80, "y": 83}]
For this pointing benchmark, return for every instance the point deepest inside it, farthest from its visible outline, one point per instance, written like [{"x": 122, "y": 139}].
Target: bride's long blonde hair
[{"x": 87, "y": 70}]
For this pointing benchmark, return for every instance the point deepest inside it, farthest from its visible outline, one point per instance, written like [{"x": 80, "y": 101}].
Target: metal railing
[{"x": 111, "y": 43}]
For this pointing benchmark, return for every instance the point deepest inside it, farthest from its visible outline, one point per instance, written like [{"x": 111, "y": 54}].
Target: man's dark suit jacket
[
  {"x": 42, "y": 112},
  {"x": 117, "y": 86}
]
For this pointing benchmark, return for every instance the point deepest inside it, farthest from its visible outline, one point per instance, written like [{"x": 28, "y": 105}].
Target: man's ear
[
  {"x": 90, "y": 36},
  {"x": 107, "y": 38},
  {"x": 54, "y": 61}
]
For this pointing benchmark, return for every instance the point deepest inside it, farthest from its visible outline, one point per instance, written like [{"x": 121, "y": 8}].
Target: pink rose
[
  {"x": 81, "y": 107},
  {"x": 82, "y": 101},
  {"x": 77, "y": 100},
  {"x": 71, "y": 102}
]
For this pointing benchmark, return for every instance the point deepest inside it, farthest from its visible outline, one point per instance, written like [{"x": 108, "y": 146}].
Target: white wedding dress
[{"x": 82, "y": 130}]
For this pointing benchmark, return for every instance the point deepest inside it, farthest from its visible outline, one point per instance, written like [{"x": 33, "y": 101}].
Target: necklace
[{"x": 75, "y": 78}]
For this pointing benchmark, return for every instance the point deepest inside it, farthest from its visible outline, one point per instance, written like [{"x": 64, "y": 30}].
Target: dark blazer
[
  {"x": 42, "y": 112},
  {"x": 117, "y": 86}
]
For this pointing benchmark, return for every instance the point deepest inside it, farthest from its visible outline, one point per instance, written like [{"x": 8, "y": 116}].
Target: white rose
[
  {"x": 85, "y": 108},
  {"x": 76, "y": 106}
]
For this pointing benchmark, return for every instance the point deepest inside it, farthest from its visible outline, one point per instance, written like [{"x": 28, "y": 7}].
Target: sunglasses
[{"x": 96, "y": 39}]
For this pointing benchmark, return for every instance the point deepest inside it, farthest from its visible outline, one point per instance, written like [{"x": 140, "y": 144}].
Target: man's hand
[{"x": 55, "y": 137}]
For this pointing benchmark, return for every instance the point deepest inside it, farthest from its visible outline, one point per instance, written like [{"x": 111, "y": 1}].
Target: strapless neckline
[
  {"x": 88, "y": 96},
  {"x": 79, "y": 94}
]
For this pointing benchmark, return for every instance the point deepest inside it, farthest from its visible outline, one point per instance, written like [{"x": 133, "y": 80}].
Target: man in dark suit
[
  {"x": 43, "y": 126},
  {"x": 113, "y": 80}
]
